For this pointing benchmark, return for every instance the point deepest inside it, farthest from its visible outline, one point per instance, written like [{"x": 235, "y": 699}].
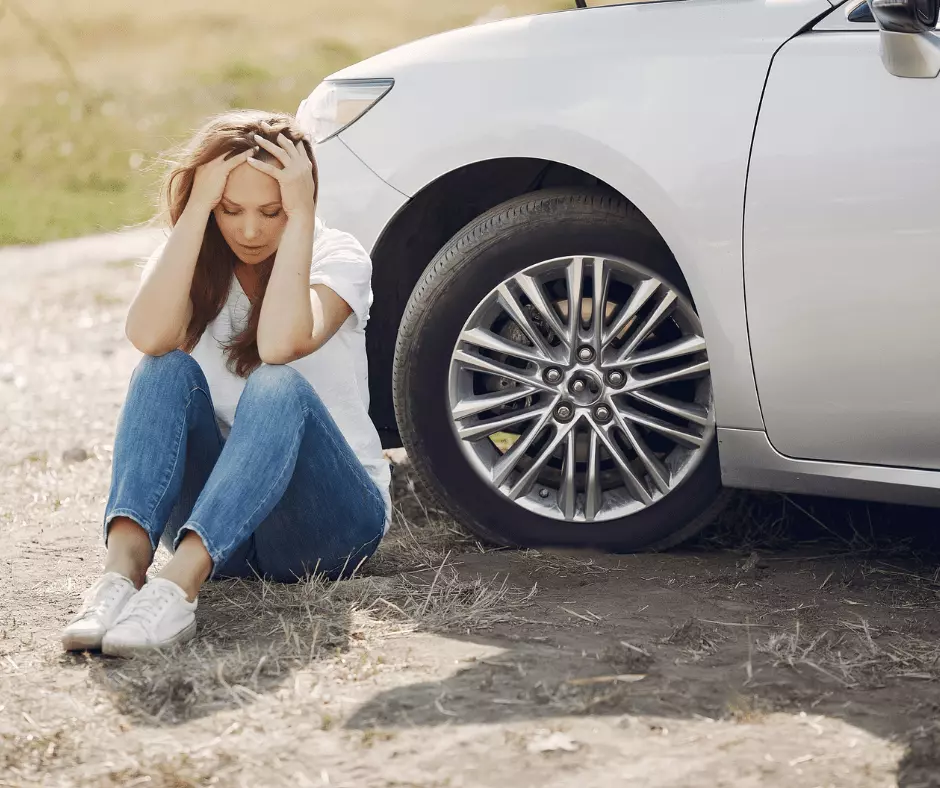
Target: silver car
[{"x": 625, "y": 256}]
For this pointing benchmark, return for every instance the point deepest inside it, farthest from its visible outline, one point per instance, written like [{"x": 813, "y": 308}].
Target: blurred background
[{"x": 92, "y": 92}]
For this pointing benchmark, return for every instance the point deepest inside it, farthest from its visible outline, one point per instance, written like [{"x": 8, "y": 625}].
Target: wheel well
[{"x": 416, "y": 234}]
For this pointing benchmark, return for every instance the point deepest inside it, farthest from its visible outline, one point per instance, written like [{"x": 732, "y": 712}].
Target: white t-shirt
[{"x": 338, "y": 371}]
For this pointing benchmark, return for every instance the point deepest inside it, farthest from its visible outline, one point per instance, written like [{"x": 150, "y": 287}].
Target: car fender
[{"x": 658, "y": 100}]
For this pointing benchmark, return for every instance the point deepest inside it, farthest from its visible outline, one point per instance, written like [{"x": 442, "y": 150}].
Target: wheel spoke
[
  {"x": 482, "y": 338},
  {"x": 575, "y": 279},
  {"x": 640, "y": 295},
  {"x": 666, "y": 304},
  {"x": 483, "y": 429},
  {"x": 684, "y": 436},
  {"x": 567, "y": 496},
  {"x": 471, "y": 406},
  {"x": 505, "y": 464},
  {"x": 592, "y": 493},
  {"x": 510, "y": 303},
  {"x": 524, "y": 482},
  {"x": 633, "y": 482},
  {"x": 491, "y": 367},
  {"x": 654, "y": 467},
  {"x": 673, "y": 350},
  {"x": 601, "y": 279},
  {"x": 695, "y": 369},
  {"x": 693, "y": 412},
  {"x": 533, "y": 291}
]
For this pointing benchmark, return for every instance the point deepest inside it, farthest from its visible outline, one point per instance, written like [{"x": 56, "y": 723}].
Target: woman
[{"x": 251, "y": 302}]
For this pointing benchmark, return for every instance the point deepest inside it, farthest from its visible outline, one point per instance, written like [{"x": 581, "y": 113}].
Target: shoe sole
[
  {"x": 81, "y": 643},
  {"x": 127, "y": 650}
]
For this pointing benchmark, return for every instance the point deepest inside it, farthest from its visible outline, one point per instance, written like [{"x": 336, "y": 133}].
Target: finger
[
  {"x": 265, "y": 167},
  {"x": 302, "y": 150},
  {"x": 285, "y": 143},
  {"x": 240, "y": 158},
  {"x": 275, "y": 150}
]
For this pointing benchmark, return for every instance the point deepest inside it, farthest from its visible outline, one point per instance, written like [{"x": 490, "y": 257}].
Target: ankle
[
  {"x": 184, "y": 579},
  {"x": 190, "y": 565},
  {"x": 129, "y": 551}
]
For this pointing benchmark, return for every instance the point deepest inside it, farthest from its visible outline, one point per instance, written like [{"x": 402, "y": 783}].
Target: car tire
[{"x": 505, "y": 240}]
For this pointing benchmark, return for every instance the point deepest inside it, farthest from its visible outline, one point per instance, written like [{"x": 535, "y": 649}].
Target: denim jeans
[{"x": 283, "y": 497}]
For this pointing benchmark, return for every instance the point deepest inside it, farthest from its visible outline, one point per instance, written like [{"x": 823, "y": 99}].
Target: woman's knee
[
  {"x": 172, "y": 366},
  {"x": 276, "y": 383}
]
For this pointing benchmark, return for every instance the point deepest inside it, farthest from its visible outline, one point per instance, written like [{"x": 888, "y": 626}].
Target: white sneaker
[
  {"x": 102, "y": 604},
  {"x": 158, "y": 616}
]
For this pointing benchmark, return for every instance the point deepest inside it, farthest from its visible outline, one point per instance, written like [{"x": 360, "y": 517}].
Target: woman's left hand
[{"x": 295, "y": 176}]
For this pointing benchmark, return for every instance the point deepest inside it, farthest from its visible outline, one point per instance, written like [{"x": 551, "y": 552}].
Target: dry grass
[
  {"x": 421, "y": 534},
  {"x": 856, "y": 655},
  {"x": 255, "y": 635},
  {"x": 771, "y": 522},
  {"x": 694, "y": 638}
]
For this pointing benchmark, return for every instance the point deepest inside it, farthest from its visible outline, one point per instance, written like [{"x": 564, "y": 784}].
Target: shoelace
[
  {"x": 100, "y": 607},
  {"x": 144, "y": 608}
]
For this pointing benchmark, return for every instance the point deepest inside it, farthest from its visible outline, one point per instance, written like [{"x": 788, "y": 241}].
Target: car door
[{"x": 842, "y": 253}]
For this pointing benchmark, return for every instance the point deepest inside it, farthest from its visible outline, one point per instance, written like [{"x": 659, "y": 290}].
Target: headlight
[{"x": 336, "y": 104}]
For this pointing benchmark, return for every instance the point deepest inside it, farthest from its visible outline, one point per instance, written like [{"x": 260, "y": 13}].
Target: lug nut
[
  {"x": 577, "y": 386},
  {"x": 586, "y": 354},
  {"x": 616, "y": 378},
  {"x": 564, "y": 412},
  {"x": 552, "y": 375},
  {"x": 602, "y": 413}
]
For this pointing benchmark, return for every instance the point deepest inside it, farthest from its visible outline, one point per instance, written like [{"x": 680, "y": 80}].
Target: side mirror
[
  {"x": 910, "y": 47},
  {"x": 906, "y": 16}
]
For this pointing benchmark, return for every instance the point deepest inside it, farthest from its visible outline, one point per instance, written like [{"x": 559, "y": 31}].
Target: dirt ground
[{"x": 749, "y": 658}]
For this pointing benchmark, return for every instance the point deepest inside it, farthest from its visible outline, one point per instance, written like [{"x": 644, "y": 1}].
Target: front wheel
[{"x": 552, "y": 383}]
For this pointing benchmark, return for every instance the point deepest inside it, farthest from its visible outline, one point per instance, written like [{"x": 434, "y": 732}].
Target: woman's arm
[
  {"x": 160, "y": 313},
  {"x": 296, "y": 318}
]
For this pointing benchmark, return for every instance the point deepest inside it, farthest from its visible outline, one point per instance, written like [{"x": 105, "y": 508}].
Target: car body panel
[
  {"x": 672, "y": 142},
  {"x": 353, "y": 198},
  {"x": 749, "y": 461},
  {"x": 842, "y": 256}
]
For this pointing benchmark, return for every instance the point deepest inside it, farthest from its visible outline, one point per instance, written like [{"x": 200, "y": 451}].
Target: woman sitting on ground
[{"x": 252, "y": 303}]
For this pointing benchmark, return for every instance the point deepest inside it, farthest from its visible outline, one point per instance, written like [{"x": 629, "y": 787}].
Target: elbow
[
  {"x": 275, "y": 354},
  {"x": 148, "y": 345}
]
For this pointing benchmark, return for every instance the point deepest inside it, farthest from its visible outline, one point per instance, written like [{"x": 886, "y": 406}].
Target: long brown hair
[{"x": 226, "y": 134}]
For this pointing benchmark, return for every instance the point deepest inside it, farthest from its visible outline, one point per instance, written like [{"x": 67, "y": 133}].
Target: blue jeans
[{"x": 283, "y": 497}]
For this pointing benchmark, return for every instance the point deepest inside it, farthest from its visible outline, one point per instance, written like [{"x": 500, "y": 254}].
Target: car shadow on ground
[{"x": 694, "y": 639}]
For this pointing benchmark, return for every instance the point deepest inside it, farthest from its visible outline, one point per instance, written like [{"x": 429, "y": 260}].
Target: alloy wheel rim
[{"x": 582, "y": 414}]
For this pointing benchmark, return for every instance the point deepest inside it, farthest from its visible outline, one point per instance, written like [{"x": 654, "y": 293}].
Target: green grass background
[{"x": 92, "y": 92}]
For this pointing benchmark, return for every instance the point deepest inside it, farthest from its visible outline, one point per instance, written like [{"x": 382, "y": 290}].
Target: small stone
[
  {"x": 7, "y": 374},
  {"x": 552, "y": 742},
  {"x": 75, "y": 454}
]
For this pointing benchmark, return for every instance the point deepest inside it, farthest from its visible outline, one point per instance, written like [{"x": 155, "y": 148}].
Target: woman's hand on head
[
  {"x": 295, "y": 175},
  {"x": 210, "y": 180}
]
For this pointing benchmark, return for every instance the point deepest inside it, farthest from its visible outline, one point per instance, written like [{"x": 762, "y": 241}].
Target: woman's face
[{"x": 250, "y": 215}]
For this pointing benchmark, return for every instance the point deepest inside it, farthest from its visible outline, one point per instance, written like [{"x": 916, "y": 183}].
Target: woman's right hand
[{"x": 210, "y": 180}]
